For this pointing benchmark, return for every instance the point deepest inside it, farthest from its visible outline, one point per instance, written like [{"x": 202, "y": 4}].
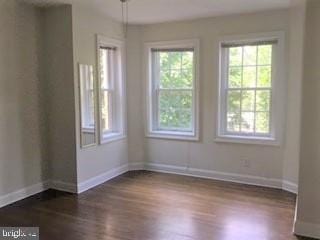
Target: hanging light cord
[{"x": 125, "y": 15}]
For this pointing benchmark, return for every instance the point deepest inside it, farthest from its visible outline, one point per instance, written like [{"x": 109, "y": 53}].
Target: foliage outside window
[
  {"x": 249, "y": 87},
  {"x": 111, "y": 85},
  {"x": 173, "y": 95}
]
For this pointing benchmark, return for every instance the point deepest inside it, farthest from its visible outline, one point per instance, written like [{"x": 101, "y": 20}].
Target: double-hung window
[
  {"x": 111, "y": 89},
  {"x": 172, "y": 90},
  {"x": 251, "y": 96}
]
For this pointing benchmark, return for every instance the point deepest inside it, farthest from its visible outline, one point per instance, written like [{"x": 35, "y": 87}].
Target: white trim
[
  {"x": 290, "y": 186},
  {"x": 247, "y": 140},
  {"x": 23, "y": 193},
  {"x": 63, "y": 186},
  {"x": 278, "y": 89},
  {"x": 113, "y": 137},
  {"x": 102, "y": 178},
  {"x": 137, "y": 166},
  {"x": 221, "y": 176},
  {"x": 119, "y": 104},
  {"x": 307, "y": 229},
  {"x": 147, "y": 66}
]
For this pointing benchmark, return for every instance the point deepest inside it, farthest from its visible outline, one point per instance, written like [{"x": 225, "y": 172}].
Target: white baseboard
[
  {"x": 95, "y": 181},
  {"x": 307, "y": 229},
  {"x": 23, "y": 193},
  {"x": 230, "y": 177},
  {"x": 137, "y": 166},
  {"x": 290, "y": 187},
  {"x": 63, "y": 186}
]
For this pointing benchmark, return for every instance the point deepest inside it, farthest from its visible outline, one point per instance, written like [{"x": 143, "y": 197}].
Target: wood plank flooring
[{"x": 143, "y": 205}]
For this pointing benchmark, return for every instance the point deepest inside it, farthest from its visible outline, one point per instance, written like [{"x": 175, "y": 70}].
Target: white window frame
[
  {"x": 118, "y": 101},
  {"x": 152, "y": 132},
  {"x": 278, "y": 92}
]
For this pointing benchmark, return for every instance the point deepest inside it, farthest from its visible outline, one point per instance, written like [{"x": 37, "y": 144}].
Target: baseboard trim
[
  {"x": 63, "y": 186},
  {"x": 290, "y": 186},
  {"x": 307, "y": 229},
  {"x": 222, "y": 176},
  {"x": 194, "y": 172},
  {"x": 95, "y": 181},
  {"x": 137, "y": 166},
  {"x": 23, "y": 193}
]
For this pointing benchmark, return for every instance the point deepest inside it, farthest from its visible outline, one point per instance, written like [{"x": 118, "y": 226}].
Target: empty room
[{"x": 159, "y": 119}]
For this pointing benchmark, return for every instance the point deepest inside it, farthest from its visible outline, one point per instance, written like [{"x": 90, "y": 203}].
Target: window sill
[
  {"x": 88, "y": 130},
  {"x": 112, "y": 137},
  {"x": 247, "y": 140},
  {"x": 183, "y": 136}
]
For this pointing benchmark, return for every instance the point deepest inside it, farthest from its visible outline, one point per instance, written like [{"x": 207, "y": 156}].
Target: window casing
[
  {"x": 251, "y": 102},
  {"x": 111, "y": 89},
  {"x": 173, "y": 89}
]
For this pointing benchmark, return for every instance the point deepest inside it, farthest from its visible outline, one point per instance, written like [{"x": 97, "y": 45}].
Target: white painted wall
[
  {"x": 265, "y": 161},
  {"x": 294, "y": 91},
  {"x": 97, "y": 160},
  {"x": 308, "y": 208},
  {"x": 59, "y": 89},
  {"x": 135, "y": 95},
  {"x": 22, "y": 148}
]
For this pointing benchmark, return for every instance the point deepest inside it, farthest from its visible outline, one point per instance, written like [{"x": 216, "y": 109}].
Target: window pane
[
  {"x": 179, "y": 119},
  {"x": 176, "y": 79},
  {"x": 175, "y": 60},
  {"x": 249, "y": 77},
  {"x": 264, "y": 76},
  {"x": 233, "y": 121},
  {"x": 175, "y": 99},
  {"x": 164, "y": 60},
  {"x": 234, "y": 101},
  {"x": 175, "y": 76},
  {"x": 263, "y": 101},
  {"x": 265, "y": 55},
  {"x": 235, "y": 77},
  {"x": 105, "y": 68},
  {"x": 235, "y": 56},
  {"x": 247, "y": 100},
  {"x": 262, "y": 122},
  {"x": 250, "y": 55},
  {"x": 247, "y": 122},
  {"x": 105, "y": 111},
  {"x": 187, "y": 60}
]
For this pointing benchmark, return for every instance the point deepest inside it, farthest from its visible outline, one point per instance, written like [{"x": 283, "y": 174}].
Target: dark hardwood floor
[{"x": 154, "y": 206}]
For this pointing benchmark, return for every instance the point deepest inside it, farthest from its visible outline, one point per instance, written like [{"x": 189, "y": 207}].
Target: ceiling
[{"x": 155, "y": 11}]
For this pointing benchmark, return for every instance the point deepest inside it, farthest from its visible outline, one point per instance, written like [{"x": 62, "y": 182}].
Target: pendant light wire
[{"x": 125, "y": 16}]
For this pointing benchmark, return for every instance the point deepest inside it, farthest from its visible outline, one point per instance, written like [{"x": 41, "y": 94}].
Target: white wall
[
  {"x": 22, "y": 148},
  {"x": 135, "y": 95},
  {"x": 97, "y": 160},
  {"x": 265, "y": 161},
  {"x": 294, "y": 91},
  {"x": 59, "y": 90},
  {"x": 308, "y": 208}
]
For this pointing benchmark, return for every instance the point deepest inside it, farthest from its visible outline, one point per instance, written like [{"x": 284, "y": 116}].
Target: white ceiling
[{"x": 154, "y": 11}]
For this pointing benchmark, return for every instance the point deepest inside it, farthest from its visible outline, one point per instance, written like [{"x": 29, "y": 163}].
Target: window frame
[
  {"x": 278, "y": 93},
  {"x": 150, "y": 131},
  {"x": 118, "y": 90}
]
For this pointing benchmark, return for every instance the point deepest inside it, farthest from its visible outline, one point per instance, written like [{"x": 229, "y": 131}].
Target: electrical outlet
[{"x": 246, "y": 163}]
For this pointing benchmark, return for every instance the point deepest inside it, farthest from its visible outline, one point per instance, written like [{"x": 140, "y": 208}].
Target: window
[
  {"x": 111, "y": 95},
  {"x": 249, "y": 89},
  {"x": 173, "y": 90}
]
